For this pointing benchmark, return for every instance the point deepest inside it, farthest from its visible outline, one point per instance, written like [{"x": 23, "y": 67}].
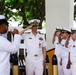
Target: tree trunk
[{"x": 2, "y": 6}]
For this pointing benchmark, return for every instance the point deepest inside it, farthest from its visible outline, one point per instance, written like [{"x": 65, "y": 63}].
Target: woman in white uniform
[
  {"x": 56, "y": 41},
  {"x": 65, "y": 51},
  {"x": 72, "y": 45}
]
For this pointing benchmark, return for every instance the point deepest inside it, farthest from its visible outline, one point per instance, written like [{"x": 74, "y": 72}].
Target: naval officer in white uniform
[
  {"x": 72, "y": 45},
  {"x": 65, "y": 51},
  {"x": 56, "y": 41},
  {"x": 6, "y": 47},
  {"x": 36, "y": 49}
]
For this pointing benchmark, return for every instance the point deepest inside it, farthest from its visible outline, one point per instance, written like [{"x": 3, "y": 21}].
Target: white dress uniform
[
  {"x": 34, "y": 59},
  {"x": 73, "y": 57},
  {"x": 57, "y": 52},
  {"x": 5, "y": 48},
  {"x": 72, "y": 45},
  {"x": 64, "y": 55}
]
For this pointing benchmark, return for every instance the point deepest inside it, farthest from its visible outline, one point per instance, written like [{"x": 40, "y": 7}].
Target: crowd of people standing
[{"x": 64, "y": 41}]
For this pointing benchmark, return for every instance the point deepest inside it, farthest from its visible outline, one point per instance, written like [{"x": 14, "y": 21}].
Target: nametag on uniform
[{"x": 30, "y": 38}]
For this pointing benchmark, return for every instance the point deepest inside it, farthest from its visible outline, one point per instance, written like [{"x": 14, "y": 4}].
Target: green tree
[
  {"x": 74, "y": 10},
  {"x": 25, "y": 10}
]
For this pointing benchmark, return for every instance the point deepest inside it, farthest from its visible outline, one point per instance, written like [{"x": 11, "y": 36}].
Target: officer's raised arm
[
  {"x": 21, "y": 32},
  {"x": 8, "y": 46}
]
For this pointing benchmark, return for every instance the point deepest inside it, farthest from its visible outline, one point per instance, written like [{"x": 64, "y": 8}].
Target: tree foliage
[
  {"x": 25, "y": 10},
  {"x": 74, "y": 9}
]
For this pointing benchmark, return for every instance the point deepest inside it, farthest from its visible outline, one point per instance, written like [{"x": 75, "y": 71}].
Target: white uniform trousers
[
  {"x": 34, "y": 65},
  {"x": 73, "y": 68},
  {"x": 60, "y": 70},
  {"x": 64, "y": 64}
]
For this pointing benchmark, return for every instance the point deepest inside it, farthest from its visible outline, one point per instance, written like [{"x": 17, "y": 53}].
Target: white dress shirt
[{"x": 34, "y": 44}]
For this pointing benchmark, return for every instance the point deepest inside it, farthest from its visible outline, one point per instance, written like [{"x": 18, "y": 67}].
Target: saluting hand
[
  {"x": 68, "y": 38},
  {"x": 55, "y": 34},
  {"x": 29, "y": 26},
  {"x": 21, "y": 32},
  {"x": 15, "y": 31}
]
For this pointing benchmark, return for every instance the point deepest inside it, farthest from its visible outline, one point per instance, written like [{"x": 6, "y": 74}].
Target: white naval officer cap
[
  {"x": 34, "y": 21},
  {"x": 58, "y": 29},
  {"x": 3, "y": 20},
  {"x": 73, "y": 30},
  {"x": 65, "y": 30},
  {"x": 2, "y": 17}
]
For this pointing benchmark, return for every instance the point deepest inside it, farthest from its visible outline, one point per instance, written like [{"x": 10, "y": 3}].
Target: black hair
[{"x": 4, "y": 21}]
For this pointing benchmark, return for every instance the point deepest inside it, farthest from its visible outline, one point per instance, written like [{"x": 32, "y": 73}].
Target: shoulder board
[
  {"x": 27, "y": 32},
  {"x": 41, "y": 33}
]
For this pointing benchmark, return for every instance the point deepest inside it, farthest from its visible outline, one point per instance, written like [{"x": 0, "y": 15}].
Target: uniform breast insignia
[
  {"x": 40, "y": 38},
  {"x": 39, "y": 45}
]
